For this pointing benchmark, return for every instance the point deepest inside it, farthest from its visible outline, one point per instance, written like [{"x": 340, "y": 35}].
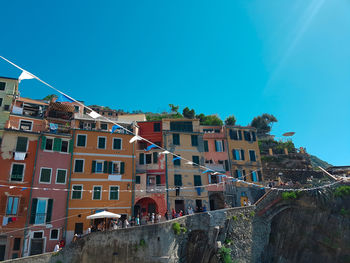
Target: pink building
[{"x": 216, "y": 158}]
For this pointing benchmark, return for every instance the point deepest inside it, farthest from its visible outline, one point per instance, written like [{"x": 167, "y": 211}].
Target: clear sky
[{"x": 241, "y": 57}]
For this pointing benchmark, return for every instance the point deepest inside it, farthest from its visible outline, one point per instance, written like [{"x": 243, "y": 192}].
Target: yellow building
[
  {"x": 183, "y": 137},
  {"x": 8, "y": 90},
  {"x": 103, "y": 168},
  {"x": 245, "y": 163}
]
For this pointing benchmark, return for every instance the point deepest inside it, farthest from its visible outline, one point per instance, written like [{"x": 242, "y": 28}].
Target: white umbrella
[{"x": 103, "y": 214}]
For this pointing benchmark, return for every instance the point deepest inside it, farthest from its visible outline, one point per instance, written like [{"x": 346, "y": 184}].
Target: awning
[{"x": 103, "y": 214}]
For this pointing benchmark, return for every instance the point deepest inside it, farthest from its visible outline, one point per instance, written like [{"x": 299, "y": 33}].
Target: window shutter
[
  {"x": 57, "y": 142},
  {"x": 234, "y": 154},
  {"x": 43, "y": 142},
  {"x": 93, "y": 167},
  {"x": 223, "y": 145},
  {"x": 254, "y": 136},
  {"x": 122, "y": 167},
  {"x": 49, "y": 210},
  {"x": 259, "y": 176},
  {"x": 242, "y": 154},
  {"x": 216, "y": 148},
  {"x": 244, "y": 178},
  {"x": 240, "y": 135},
  {"x": 155, "y": 157},
  {"x": 21, "y": 144},
  {"x": 105, "y": 167},
  {"x": 110, "y": 167},
  {"x": 142, "y": 158},
  {"x": 206, "y": 148},
  {"x": 22, "y": 203},
  {"x": 71, "y": 145},
  {"x": 158, "y": 179},
  {"x": 33, "y": 211},
  {"x": 226, "y": 166}
]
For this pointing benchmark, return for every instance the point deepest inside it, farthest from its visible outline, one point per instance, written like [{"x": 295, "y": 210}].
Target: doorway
[
  {"x": 179, "y": 205},
  {"x": 79, "y": 228},
  {"x": 37, "y": 246},
  {"x": 2, "y": 252}
]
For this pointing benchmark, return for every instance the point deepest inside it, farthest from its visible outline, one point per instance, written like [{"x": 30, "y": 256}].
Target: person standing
[
  {"x": 166, "y": 215},
  {"x": 57, "y": 248},
  {"x": 137, "y": 220}
]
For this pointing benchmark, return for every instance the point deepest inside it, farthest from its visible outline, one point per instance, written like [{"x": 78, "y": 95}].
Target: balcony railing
[
  {"x": 40, "y": 218},
  {"x": 155, "y": 188},
  {"x": 216, "y": 167}
]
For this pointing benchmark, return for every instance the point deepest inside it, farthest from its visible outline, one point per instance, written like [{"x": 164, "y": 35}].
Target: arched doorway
[{"x": 144, "y": 206}]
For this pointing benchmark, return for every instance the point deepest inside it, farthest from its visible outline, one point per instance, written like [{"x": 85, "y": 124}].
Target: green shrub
[
  {"x": 235, "y": 218},
  {"x": 289, "y": 195},
  {"x": 252, "y": 213},
  {"x": 342, "y": 191},
  {"x": 228, "y": 241},
  {"x": 176, "y": 228},
  {"x": 225, "y": 255},
  {"x": 344, "y": 212},
  {"x": 183, "y": 229},
  {"x": 142, "y": 243}
]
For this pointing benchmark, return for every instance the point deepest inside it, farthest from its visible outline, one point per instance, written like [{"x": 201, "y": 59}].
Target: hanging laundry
[
  {"x": 19, "y": 156},
  {"x": 53, "y": 127},
  {"x": 5, "y": 220}
]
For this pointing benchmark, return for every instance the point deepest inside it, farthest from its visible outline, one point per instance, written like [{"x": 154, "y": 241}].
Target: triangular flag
[
  {"x": 23, "y": 188},
  {"x": 25, "y": 75},
  {"x": 135, "y": 138},
  {"x": 165, "y": 152},
  {"x": 94, "y": 114},
  {"x": 64, "y": 98},
  {"x": 11, "y": 187},
  {"x": 206, "y": 171},
  {"x": 150, "y": 147},
  {"x": 115, "y": 127},
  {"x": 176, "y": 158},
  {"x": 190, "y": 163}
]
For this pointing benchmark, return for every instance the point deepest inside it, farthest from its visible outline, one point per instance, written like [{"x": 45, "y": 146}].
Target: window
[
  {"x": 195, "y": 160},
  {"x": 81, "y": 140},
  {"x": 114, "y": 193},
  {"x": 219, "y": 146},
  {"x": 99, "y": 167},
  {"x": 64, "y": 146},
  {"x": 247, "y": 136},
  {"x": 77, "y": 191},
  {"x": 184, "y": 126},
  {"x": 17, "y": 243},
  {"x": 0, "y": 102},
  {"x": 110, "y": 113},
  {"x": 176, "y": 139},
  {"x": 39, "y": 211},
  {"x": 142, "y": 158},
  {"x": 254, "y": 176},
  {"x": 178, "y": 180},
  {"x": 61, "y": 175},
  {"x": 227, "y": 168},
  {"x": 45, "y": 175},
  {"x": 194, "y": 140},
  {"x": 197, "y": 180},
  {"x": 252, "y": 155},
  {"x": 2, "y": 85},
  {"x": 12, "y": 205},
  {"x": 116, "y": 167},
  {"x": 238, "y": 154},
  {"x": 96, "y": 194},
  {"x": 156, "y": 127},
  {"x": 49, "y": 144},
  {"x": 6, "y": 107},
  {"x": 17, "y": 172},
  {"x": 101, "y": 143},
  {"x": 76, "y": 108},
  {"x": 117, "y": 144},
  {"x": 240, "y": 174},
  {"x": 104, "y": 126},
  {"x": 148, "y": 158},
  {"x": 236, "y": 135},
  {"x": 22, "y": 143},
  {"x": 54, "y": 234},
  {"x": 138, "y": 179},
  {"x": 176, "y": 161},
  {"x": 78, "y": 166},
  {"x": 206, "y": 148},
  {"x": 25, "y": 125},
  {"x": 254, "y": 136}
]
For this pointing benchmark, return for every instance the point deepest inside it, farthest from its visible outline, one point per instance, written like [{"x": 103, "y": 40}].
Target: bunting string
[{"x": 64, "y": 97}]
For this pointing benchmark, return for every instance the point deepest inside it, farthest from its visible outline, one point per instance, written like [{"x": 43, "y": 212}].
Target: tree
[
  {"x": 230, "y": 120},
  {"x": 50, "y": 97},
  {"x": 187, "y": 113},
  {"x": 209, "y": 120},
  {"x": 174, "y": 108},
  {"x": 263, "y": 123}
]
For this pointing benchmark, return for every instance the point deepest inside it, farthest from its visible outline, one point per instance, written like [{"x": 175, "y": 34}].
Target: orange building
[{"x": 103, "y": 169}]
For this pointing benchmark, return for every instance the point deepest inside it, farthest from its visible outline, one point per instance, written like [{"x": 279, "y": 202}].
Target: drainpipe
[
  {"x": 133, "y": 180},
  {"x": 166, "y": 174},
  {"x": 68, "y": 192},
  {"x": 30, "y": 197}
]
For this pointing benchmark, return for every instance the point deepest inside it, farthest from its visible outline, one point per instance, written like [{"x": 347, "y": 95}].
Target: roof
[
  {"x": 8, "y": 78},
  {"x": 27, "y": 100}
]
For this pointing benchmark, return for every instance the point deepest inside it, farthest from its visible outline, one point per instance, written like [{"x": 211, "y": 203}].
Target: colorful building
[
  {"x": 8, "y": 91},
  {"x": 245, "y": 164},
  {"x": 17, "y": 161},
  {"x": 150, "y": 194},
  {"x": 51, "y": 174},
  {"x": 216, "y": 159},
  {"x": 184, "y": 138},
  {"x": 103, "y": 169}
]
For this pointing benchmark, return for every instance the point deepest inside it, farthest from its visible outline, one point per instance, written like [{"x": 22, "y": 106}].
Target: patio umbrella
[{"x": 103, "y": 214}]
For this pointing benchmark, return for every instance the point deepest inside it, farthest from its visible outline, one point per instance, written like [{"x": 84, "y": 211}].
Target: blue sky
[{"x": 287, "y": 58}]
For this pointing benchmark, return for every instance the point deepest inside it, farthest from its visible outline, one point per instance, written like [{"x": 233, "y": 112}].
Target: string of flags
[{"x": 65, "y": 98}]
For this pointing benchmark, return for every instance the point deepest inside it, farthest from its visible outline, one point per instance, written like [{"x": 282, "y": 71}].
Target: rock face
[{"x": 313, "y": 229}]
